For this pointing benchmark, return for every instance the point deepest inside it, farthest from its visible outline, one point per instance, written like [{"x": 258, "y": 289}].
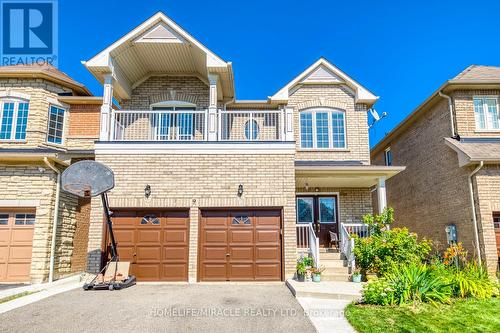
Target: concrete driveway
[{"x": 234, "y": 308}]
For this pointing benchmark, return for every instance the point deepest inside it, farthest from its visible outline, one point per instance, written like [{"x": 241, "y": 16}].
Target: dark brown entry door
[
  {"x": 322, "y": 212},
  {"x": 155, "y": 243},
  {"x": 496, "y": 224},
  {"x": 240, "y": 245}
]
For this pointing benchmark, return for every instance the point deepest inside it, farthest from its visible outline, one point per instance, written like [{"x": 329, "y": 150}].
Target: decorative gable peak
[
  {"x": 161, "y": 33},
  {"x": 322, "y": 75}
]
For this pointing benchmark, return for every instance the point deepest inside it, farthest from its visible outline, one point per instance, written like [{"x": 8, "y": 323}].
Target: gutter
[
  {"x": 450, "y": 107},
  {"x": 474, "y": 218},
  {"x": 55, "y": 220}
]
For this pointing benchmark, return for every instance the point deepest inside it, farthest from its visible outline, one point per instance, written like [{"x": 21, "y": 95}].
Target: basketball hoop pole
[{"x": 114, "y": 253}]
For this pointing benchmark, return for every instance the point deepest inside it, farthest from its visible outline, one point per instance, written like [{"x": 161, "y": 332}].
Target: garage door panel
[
  {"x": 123, "y": 237},
  {"x": 4, "y": 236},
  {"x": 174, "y": 272},
  {"x": 241, "y": 236},
  {"x": 215, "y": 236},
  {"x": 148, "y": 253},
  {"x": 267, "y": 253},
  {"x": 4, "y": 254},
  {"x": 125, "y": 219},
  {"x": 147, "y": 272},
  {"x": 126, "y": 253},
  {"x": 267, "y": 236},
  {"x": 3, "y": 271},
  {"x": 21, "y": 236},
  {"x": 175, "y": 254},
  {"x": 241, "y": 253},
  {"x": 20, "y": 254},
  {"x": 18, "y": 271},
  {"x": 267, "y": 271},
  {"x": 215, "y": 219},
  {"x": 177, "y": 219},
  {"x": 268, "y": 219},
  {"x": 214, "y": 272},
  {"x": 241, "y": 271},
  {"x": 148, "y": 236},
  {"x": 175, "y": 237},
  {"x": 214, "y": 253}
]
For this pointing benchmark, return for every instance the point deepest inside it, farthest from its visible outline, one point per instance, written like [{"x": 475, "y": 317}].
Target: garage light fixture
[
  {"x": 147, "y": 191},
  {"x": 240, "y": 190}
]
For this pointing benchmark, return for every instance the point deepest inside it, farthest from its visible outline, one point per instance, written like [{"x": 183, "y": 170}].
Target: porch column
[
  {"x": 289, "y": 124},
  {"x": 106, "y": 108},
  {"x": 381, "y": 194},
  {"x": 212, "y": 107}
]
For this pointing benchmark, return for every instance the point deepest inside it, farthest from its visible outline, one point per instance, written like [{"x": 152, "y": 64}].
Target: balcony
[{"x": 200, "y": 125}]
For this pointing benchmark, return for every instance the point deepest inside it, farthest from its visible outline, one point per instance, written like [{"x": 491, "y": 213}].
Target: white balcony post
[
  {"x": 288, "y": 126},
  {"x": 107, "y": 105},
  {"x": 212, "y": 108},
  {"x": 381, "y": 194}
]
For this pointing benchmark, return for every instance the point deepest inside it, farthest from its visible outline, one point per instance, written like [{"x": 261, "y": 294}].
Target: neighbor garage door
[
  {"x": 16, "y": 241},
  {"x": 155, "y": 242},
  {"x": 240, "y": 245}
]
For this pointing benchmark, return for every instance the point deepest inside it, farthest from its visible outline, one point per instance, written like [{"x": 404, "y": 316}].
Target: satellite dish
[{"x": 87, "y": 179}]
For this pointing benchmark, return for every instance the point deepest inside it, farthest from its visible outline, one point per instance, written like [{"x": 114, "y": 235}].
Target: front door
[
  {"x": 322, "y": 212},
  {"x": 496, "y": 224}
]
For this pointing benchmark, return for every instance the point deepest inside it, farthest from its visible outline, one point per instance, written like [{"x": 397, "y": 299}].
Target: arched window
[
  {"x": 322, "y": 128},
  {"x": 14, "y": 118},
  {"x": 251, "y": 130},
  {"x": 175, "y": 125}
]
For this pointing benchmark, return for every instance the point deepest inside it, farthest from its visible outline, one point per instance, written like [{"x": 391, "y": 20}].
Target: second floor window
[
  {"x": 486, "y": 113},
  {"x": 56, "y": 125},
  {"x": 322, "y": 129},
  {"x": 388, "y": 157},
  {"x": 14, "y": 118}
]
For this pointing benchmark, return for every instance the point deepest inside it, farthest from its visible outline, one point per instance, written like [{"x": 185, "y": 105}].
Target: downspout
[
  {"x": 450, "y": 107},
  {"x": 474, "y": 219},
  {"x": 55, "y": 221}
]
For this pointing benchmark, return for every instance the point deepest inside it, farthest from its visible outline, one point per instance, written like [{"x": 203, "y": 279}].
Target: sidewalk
[{"x": 40, "y": 291}]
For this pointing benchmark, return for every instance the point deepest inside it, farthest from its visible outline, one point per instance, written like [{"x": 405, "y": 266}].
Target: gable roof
[
  {"x": 324, "y": 72},
  {"x": 484, "y": 77},
  {"x": 45, "y": 71}
]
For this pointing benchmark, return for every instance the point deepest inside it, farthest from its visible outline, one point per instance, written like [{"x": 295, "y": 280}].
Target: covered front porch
[{"x": 331, "y": 199}]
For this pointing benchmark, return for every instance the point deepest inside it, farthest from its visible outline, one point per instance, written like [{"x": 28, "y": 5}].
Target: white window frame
[
  {"x": 13, "y": 130},
  {"x": 59, "y": 106},
  {"x": 386, "y": 153},
  {"x": 329, "y": 111},
  {"x": 489, "y": 125},
  {"x": 174, "y": 105}
]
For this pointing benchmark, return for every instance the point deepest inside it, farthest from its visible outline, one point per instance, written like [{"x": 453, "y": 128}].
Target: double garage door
[{"x": 234, "y": 245}]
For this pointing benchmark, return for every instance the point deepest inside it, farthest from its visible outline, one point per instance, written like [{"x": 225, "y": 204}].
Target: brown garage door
[
  {"x": 155, "y": 242},
  {"x": 240, "y": 245},
  {"x": 16, "y": 241}
]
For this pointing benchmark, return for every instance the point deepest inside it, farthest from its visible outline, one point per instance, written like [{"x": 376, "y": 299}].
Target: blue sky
[{"x": 400, "y": 50}]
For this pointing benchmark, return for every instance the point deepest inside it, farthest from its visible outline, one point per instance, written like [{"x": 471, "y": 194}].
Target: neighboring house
[
  {"x": 46, "y": 120},
  {"x": 450, "y": 146},
  {"x": 211, "y": 188}
]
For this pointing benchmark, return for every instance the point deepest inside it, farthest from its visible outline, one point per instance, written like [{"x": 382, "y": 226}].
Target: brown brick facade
[{"x": 81, "y": 236}]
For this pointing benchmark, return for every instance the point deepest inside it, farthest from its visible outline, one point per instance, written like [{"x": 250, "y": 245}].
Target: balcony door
[
  {"x": 322, "y": 212},
  {"x": 174, "y": 125}
]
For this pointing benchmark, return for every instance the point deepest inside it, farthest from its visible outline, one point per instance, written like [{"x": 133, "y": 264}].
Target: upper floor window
[
  {"x": 14, "y": 118},
  {"x": 175, "y": 124},
  {"x": 56, "y": 124},
  {"x": 486, "y": 113},
  {"x": 388, "y": 157},
  {"x": 322, "y": 129}
]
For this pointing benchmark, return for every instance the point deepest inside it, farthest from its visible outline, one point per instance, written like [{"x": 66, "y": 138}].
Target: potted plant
[
  {"x": 316, "y": 273},
  {"x": 301, "y": 271},
  {"x": 356, "y": 276},
  {"x": 304, "y": 265}
]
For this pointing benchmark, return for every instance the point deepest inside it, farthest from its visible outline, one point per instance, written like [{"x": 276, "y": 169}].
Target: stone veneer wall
[
  {"x": 196, "y": 182},
  {"x": 356, "y": 119}
]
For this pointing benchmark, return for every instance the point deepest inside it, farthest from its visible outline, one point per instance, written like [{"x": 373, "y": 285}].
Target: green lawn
[
  {"x": 10, "y": 298},
  {"x": 462, "y": 316}
]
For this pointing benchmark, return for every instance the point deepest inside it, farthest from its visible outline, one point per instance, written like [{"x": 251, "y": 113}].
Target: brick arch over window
[
  {"x": 175, "y": 96},
  {"x": 315, "y": 103}
]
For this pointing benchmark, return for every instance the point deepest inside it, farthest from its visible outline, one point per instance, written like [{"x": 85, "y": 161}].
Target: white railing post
[
  {"x": 112, "y": 126},
  {"x": 288, "y": 125},
  {"x": 107, "y": 105}
]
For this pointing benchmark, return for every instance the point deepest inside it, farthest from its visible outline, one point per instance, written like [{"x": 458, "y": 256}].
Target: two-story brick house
[
  {"x": 47, "y": 119},
  {"x": 211, "y": 188},
  {"x": 451, "y": 147}
]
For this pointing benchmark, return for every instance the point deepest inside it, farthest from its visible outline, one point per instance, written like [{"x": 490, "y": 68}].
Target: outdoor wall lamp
[
  {"x": 240, "y": 190},
  {"x": 147, "y": 191}
]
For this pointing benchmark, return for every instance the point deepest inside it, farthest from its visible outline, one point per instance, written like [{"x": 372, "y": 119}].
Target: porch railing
[
  {"x": 251, "y": 125},
  {"x": 192, "y": 125},
  {"x": 347, "y": 242},
  {"x": 307, "y": 240}
]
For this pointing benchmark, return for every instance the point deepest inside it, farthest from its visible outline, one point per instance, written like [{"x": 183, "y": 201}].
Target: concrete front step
[
  {"x": 327, "y": 276},
  {"x": 333, "y": 263},
  {"x": 326, "y": 289},
  {"x": 332, "y": 256}
]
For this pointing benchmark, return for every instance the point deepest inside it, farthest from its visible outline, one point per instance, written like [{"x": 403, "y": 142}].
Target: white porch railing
[
  {"x": 264, "y": 125},
  {"x": 347, "y": 242},
  {"x": 307, "y": 240}
]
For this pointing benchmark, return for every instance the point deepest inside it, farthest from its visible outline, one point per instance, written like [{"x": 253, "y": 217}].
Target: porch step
[
  {"x": 330, "y": 256},
  {"x": 326, "y": 289},
  {"x": 333, "y": 276},
  {"x": 328, "y": 250}
]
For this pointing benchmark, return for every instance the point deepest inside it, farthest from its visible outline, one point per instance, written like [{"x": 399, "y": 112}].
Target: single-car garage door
[
  {"x": 155, "y": 242},
  {"x": 240, "y": 245},
  {"x": 16, "y": 241}
]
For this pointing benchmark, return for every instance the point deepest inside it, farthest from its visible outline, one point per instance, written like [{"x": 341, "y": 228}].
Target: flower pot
[
  {"x": 300, "y": 277},
  {"x": 356, "y": 278},
  {"x": 316, "y": 277}
]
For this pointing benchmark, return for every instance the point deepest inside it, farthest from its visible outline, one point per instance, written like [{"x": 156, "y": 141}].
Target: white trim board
[{"x": 19, "y": 203}]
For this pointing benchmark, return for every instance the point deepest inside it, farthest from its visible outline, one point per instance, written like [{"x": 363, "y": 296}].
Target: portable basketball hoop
[{"x": 89, "y": 179}]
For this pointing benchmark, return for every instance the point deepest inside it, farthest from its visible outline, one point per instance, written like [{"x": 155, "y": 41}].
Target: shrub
[
  {"x": 472, "y": 281},
  {"x": 378, "y": 292},
  {"x": 390, "y": 249}
]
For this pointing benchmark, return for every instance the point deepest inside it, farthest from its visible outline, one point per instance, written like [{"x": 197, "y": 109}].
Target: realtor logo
[{"x": 29, "y": 32}]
